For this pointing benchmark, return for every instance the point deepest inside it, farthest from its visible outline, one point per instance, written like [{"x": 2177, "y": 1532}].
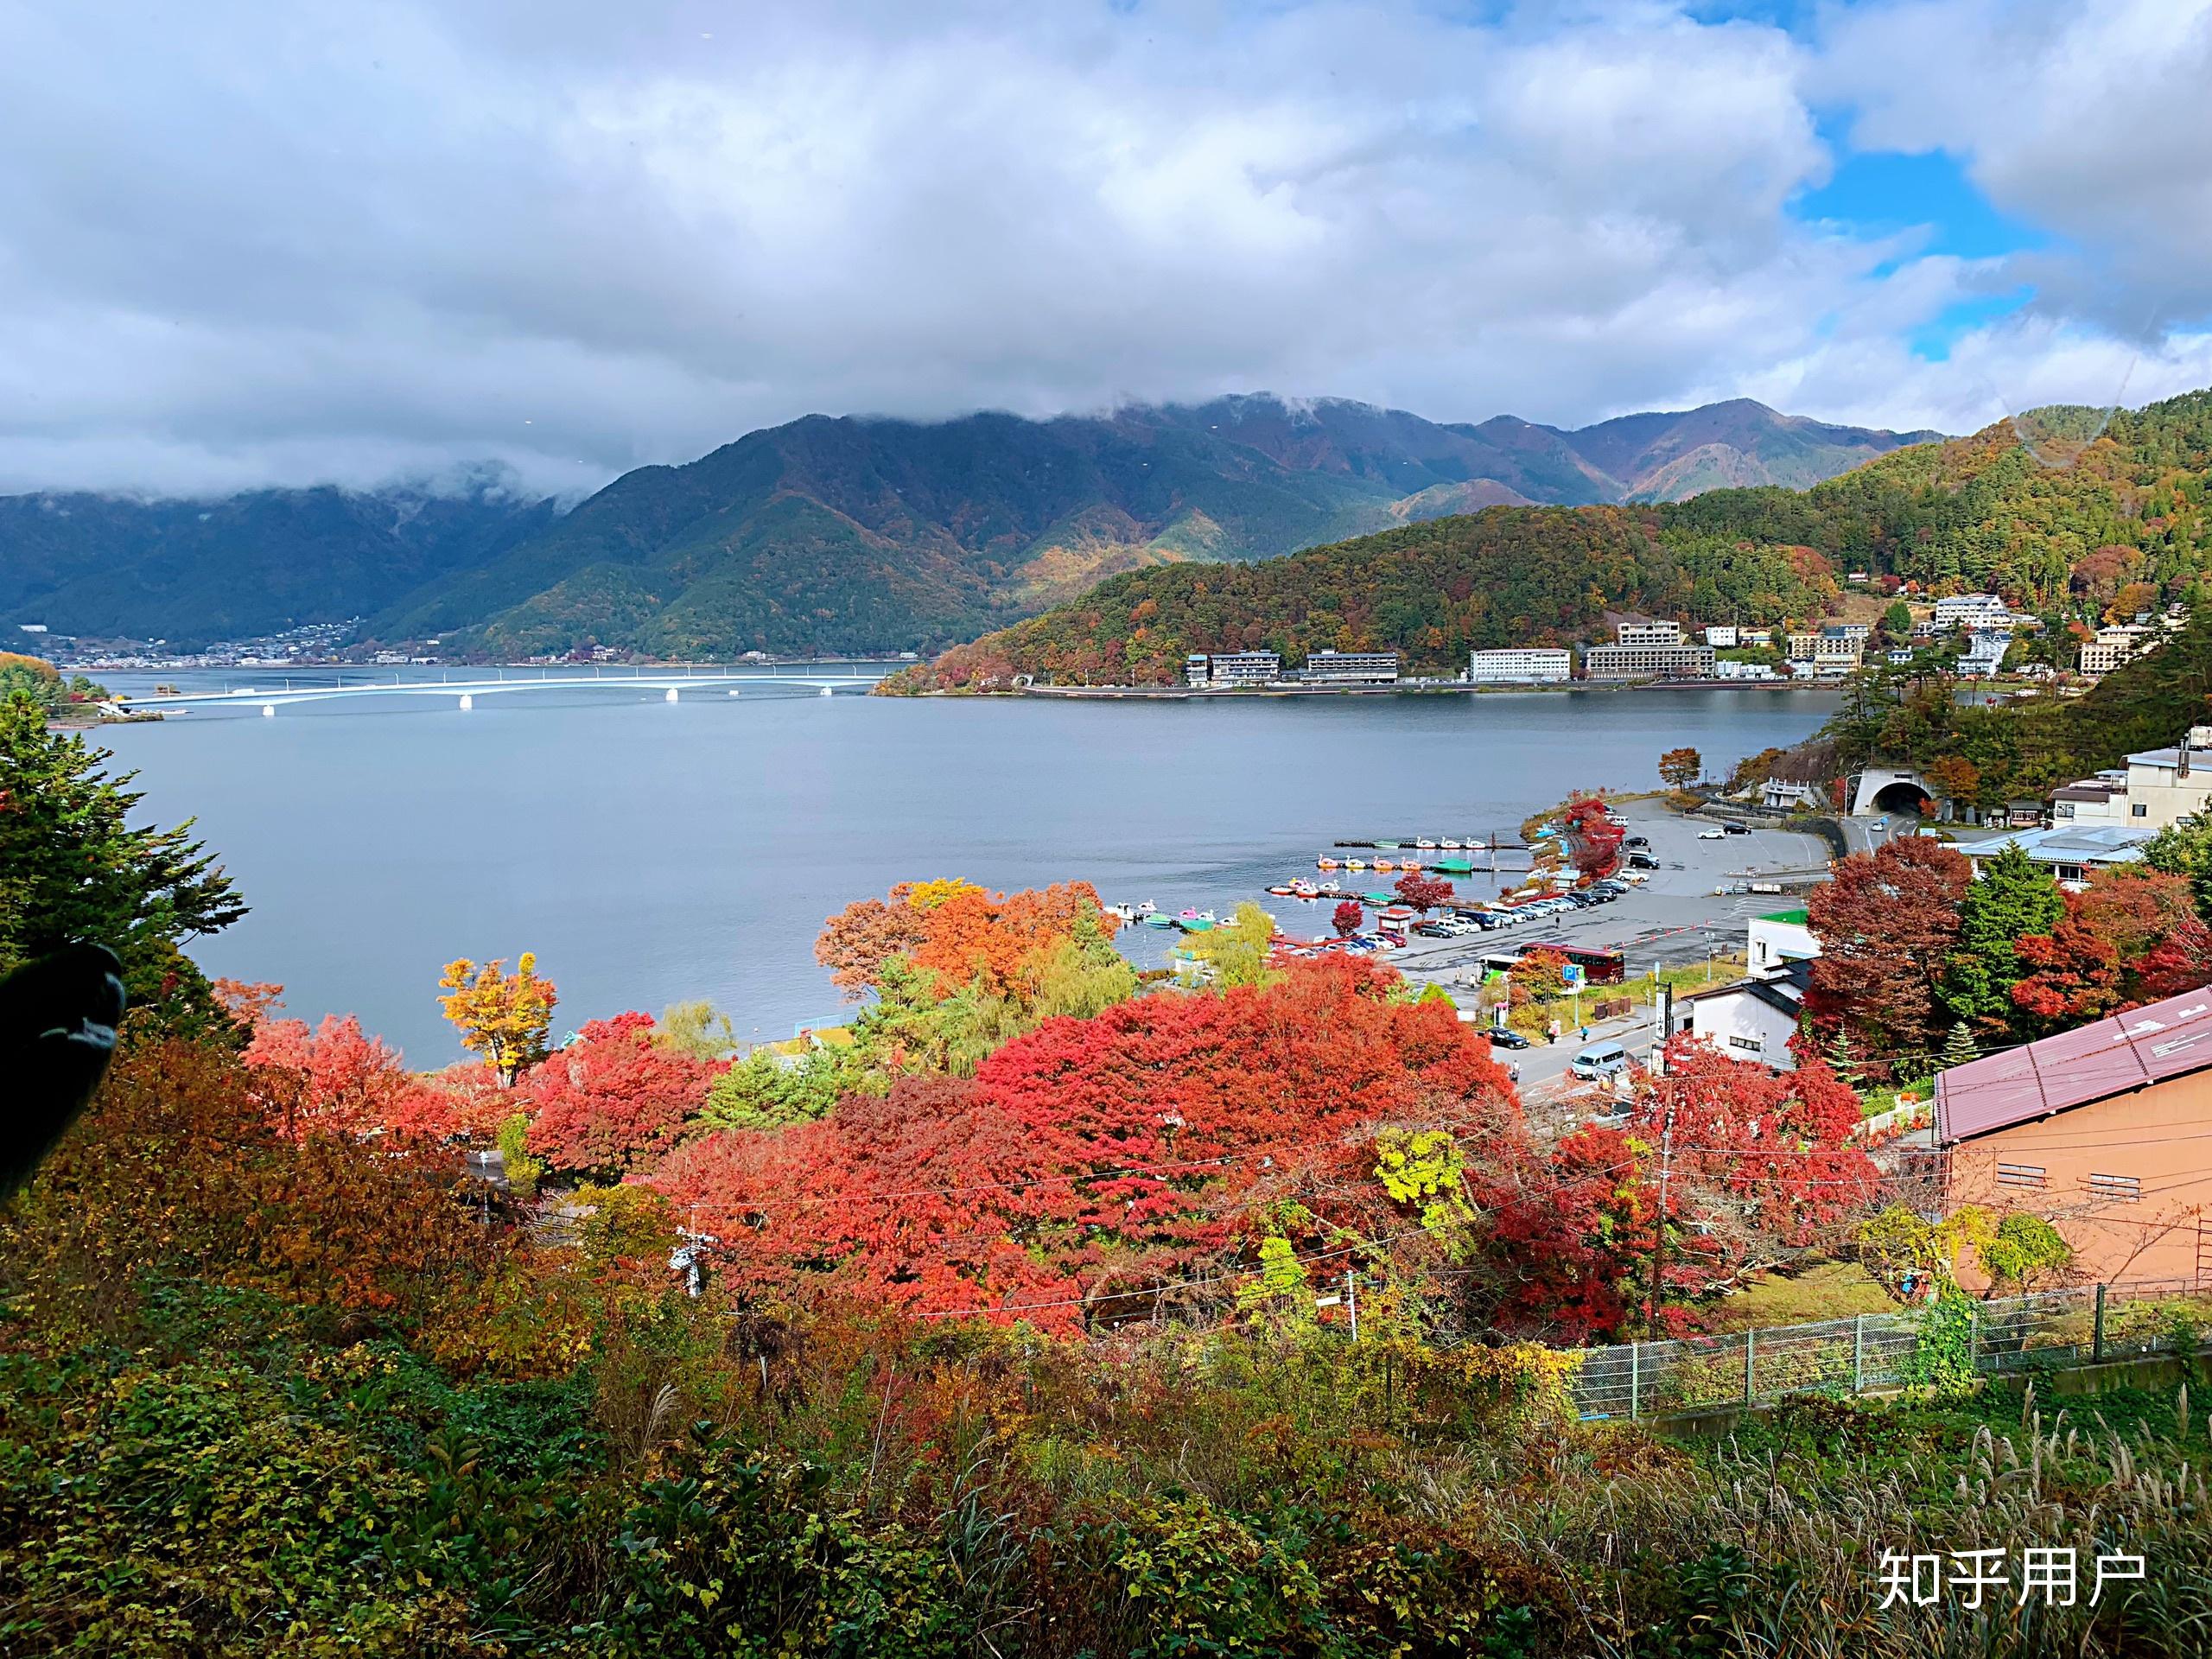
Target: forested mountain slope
[
  {"x": 849, "y": 535},
  {"x": 865, "y": 535},
  {"x": 2052, "y": 511}
]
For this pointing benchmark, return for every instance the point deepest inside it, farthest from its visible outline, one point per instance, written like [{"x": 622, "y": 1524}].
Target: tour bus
[{"x": 1600, "y": 967}]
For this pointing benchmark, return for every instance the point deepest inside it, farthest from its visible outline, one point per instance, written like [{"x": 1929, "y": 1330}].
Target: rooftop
[
  {"x": 2068, "y": 843},
  {"x": 1795, "y": 918},
  {"x": 1783, "y": 991},
  {"x": 2091, "y": 1063}
]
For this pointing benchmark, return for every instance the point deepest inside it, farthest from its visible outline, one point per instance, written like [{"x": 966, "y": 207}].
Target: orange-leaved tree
[
  {"x": 506, "y": 1017},
  {"x": 957, "y": 933}
]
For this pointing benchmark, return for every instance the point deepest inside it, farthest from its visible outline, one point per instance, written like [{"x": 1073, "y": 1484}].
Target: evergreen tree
[
  {"x": 2014, "y": 896},
  {"x": 2185, "y": 849},
  {"x": 1959, "y": 1048},
  {"x": 74, "y": 870},
  {"x": 1843, "y": 1060}
]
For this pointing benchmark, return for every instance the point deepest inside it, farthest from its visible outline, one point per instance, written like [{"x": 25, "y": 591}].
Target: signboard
[{"x": 1571, "y": 976}]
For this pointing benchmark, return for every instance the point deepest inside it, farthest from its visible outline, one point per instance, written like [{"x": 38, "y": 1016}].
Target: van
[{"x": 1599, "y": 1060}]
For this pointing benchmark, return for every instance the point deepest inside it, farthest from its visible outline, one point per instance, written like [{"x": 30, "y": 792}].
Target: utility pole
[
  {"x": 1352, "y": 1301},
  {"x": 1659, "y": 1235}
]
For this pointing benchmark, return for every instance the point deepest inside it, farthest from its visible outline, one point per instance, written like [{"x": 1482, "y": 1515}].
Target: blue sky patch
[{"x": 1880, "y": 191}]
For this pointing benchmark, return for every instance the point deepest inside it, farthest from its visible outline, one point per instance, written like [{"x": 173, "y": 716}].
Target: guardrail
[{"x": 2082, "y": 1325}]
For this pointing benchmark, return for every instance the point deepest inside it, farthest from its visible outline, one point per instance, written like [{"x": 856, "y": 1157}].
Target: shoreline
[{"x": 1170, "y": 693}]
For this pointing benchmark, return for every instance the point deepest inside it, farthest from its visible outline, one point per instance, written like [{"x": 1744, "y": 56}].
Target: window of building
[
  {"x": 2120, "y": 1189},
  {"x": 2019, "y": 1175},
  {"x": 1757, "y": 1045},
  {"x": 2138, "y": 809}
]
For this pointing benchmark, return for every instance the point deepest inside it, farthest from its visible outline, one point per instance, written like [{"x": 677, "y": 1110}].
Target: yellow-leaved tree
[{"x": 504, "y": 1017}]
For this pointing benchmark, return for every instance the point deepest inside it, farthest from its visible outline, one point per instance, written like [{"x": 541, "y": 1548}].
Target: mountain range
[
  {"x": 854, "y": 534},
  {"x": 2061, "y": 511}
]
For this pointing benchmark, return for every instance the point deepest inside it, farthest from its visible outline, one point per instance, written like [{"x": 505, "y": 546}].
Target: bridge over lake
[{"x": 464, "y": 687}]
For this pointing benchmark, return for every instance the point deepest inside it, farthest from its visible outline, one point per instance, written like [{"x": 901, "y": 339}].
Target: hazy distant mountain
[
  {"x": 190, "y": 572},
  {"x": 854, "y": 534},
  {"x": 1726, "y": 446}
]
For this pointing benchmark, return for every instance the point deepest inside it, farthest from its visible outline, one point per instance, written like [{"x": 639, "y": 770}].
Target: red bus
[{"x": 1598, "y": 966}]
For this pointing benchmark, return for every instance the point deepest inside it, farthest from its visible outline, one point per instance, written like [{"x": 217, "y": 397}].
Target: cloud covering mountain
[{"x": 242, "y": 246}]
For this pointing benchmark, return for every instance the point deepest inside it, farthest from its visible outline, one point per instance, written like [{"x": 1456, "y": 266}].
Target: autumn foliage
[
  {"x": 1096, "y": 1166},
  {"x": 956, "y": 931},
  {"x": 613, "y": 1101},
  {"x": 1760, "y": 1170},
  {"x": 1887, "y": 923},
  {"x": 1593, "y": 839},
  {"x": 336, "y": 1079},
  {"x": 2131, "y": 936}
]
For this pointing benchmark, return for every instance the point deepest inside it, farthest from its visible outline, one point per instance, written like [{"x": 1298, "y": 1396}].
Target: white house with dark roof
[{"x": 1753, "y": 1019}]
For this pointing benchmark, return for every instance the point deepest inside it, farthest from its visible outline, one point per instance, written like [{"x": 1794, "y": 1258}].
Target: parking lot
[{"x": 1673, "y": 919}]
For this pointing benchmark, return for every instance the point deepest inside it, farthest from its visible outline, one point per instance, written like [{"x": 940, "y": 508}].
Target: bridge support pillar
[
  {"x": 827, "y": 692},
  {"x": 269, "y": 711},
  {"x": 468, "y": 700},
  {"x": 672, "y": 693}
]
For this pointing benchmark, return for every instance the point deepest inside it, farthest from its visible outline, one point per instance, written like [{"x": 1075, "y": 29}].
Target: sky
[{"x": 244, "y": 244}]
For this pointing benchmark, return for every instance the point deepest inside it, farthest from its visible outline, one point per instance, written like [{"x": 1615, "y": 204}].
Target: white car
[{"x": 1713, "y": 834}]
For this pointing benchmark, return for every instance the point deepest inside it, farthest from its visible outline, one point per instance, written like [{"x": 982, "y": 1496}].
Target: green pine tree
[
  {"x": 1843, "y": 1059},
  {"x": 2012, "y": 896},
  {"x": 2185, "y": 849},
  {"x": 1959, "y": 1048},
  {"x": 74, "y": 870}
]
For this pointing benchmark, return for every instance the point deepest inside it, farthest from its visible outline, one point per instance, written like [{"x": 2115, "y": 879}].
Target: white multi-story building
[
  {"x": 1721, "y": 636},
  {"x": 1985, "y": 652},
  {"x": 1648, "y": 633},
  {"x": 1238, "y": 667},
  {"x": 2113, "y": 646},
  {"x": 1972, "y": 611},
  {"x": 1834, "y": 651},
  {"x": 1534, "y": 665},
  {"x": 1754, "y": 1018},
  {"x": 1723, "y": 669}
]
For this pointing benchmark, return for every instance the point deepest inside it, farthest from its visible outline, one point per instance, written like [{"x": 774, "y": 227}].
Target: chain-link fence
[{"x": 2081, "y": 1325}]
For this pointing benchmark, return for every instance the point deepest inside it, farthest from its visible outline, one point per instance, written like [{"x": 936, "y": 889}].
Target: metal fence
[{"x": 2082, "y": 1325}]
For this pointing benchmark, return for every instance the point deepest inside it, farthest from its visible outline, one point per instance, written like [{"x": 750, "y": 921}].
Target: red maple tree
[
  {"x": 1090, "y": 1168},
  {"x": 2131, "y": 936},
  {"x": 1887, "y": 924},
  {"x": 1424, "y": 893},
  {"x": 612, "y": 1103},
  {"x": 336, "y": 1079}
]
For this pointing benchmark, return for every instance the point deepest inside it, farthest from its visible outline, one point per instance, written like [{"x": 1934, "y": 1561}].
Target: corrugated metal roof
[{"x": 2093, "y": 1062}]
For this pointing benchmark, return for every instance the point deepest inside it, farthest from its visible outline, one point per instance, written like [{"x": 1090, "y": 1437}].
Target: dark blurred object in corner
[{"x": 58, "y": 1017}]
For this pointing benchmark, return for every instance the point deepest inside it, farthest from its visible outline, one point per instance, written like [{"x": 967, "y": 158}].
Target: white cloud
[{"x": 338, "y": 241}]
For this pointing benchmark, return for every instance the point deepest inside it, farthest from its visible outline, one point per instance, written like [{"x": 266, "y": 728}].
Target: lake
[{"x": 650, "y": 852}]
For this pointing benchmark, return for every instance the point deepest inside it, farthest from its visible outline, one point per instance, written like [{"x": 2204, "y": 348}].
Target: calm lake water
[{"x": 651, "y": 851}]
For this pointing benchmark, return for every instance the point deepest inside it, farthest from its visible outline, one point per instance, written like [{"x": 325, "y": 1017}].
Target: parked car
[
  {"x": 1738, "y": 828},
  {"x": 1505, "y": 1036},
  {"x": 1644, "y": 842},
  {"x": 1713, "y": 834}
]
